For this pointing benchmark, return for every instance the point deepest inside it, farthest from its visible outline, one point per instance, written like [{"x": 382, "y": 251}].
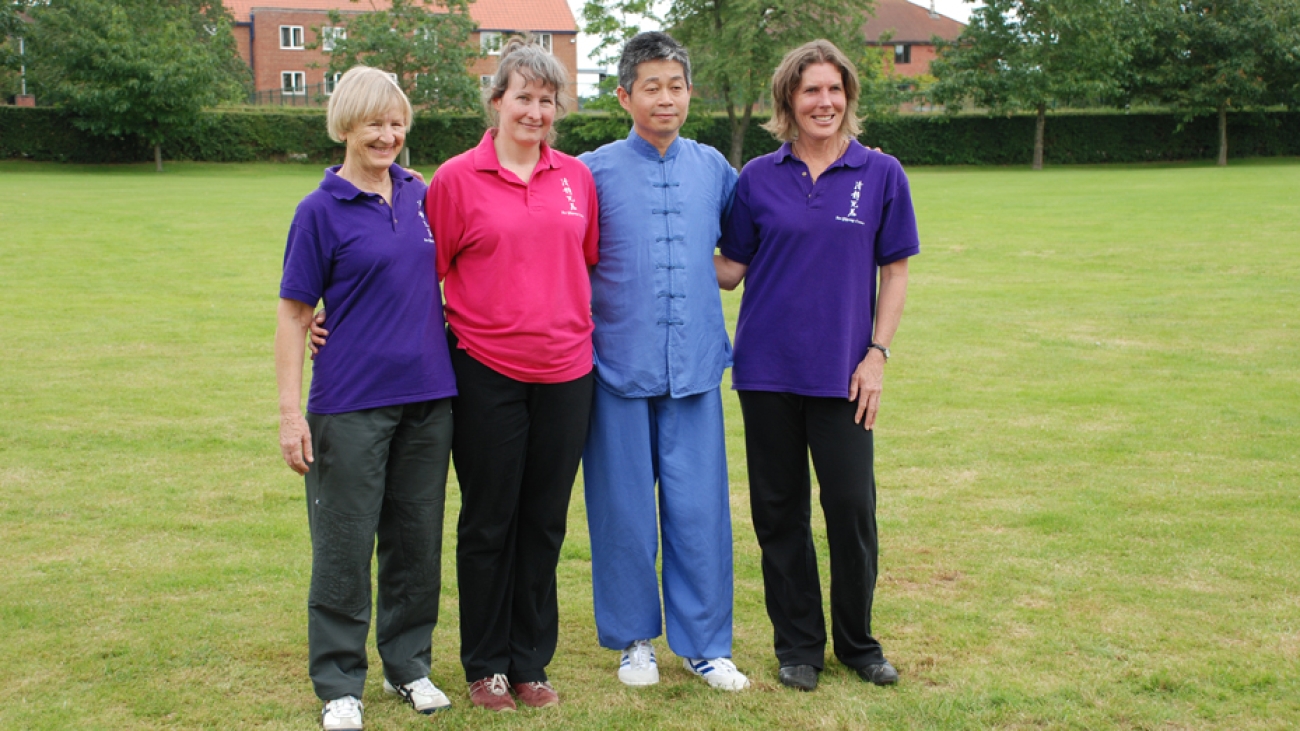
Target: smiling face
[
  {"x": 374, "y": 143},
  {"x": 819, "y": 102},
  {"x": 658, "y": 101},
  {"x": 525, "y": 111}
]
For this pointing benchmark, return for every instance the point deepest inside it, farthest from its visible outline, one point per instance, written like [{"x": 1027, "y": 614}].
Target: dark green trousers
[{"x": 379, "y": 474}]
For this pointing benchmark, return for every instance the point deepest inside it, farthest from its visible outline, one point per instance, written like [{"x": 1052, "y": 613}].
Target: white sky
[{"x": 586, "y": 44}]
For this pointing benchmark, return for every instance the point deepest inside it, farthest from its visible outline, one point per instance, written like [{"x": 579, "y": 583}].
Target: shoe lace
[
  {"x": 423, "y": 686},
  {"x": 640, "y": 655},
  {"x": 497, "y": 685},
  {"x": 345, "y": 706},
  {"x": 724, "y": 664}
]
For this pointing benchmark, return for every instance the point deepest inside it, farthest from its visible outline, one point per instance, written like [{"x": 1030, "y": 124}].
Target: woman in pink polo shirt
[{"x": 516, "y": 229}]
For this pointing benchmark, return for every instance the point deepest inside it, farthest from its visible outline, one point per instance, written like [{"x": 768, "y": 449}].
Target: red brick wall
[
  {"x": 922, "y": 55},
  {"x": 267, "y": 59}
]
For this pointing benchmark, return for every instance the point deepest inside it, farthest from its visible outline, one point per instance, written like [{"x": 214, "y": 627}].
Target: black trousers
[
  {"x": 378, "y": 472},
  {"x": 780, "y": 431},
  {"x": 516, "y": 451}
]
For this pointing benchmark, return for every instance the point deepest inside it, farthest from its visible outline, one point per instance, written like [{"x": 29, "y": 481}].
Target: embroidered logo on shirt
[
  {"x": 568, "y": 194},
  {"x": 852, "y": 217},
  {"x": 428, "y": 239}
]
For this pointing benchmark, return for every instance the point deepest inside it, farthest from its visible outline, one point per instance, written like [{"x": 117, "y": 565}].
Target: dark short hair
[
  {"x": 788, "y": 76},
  {"x": 651, "y": 45}
]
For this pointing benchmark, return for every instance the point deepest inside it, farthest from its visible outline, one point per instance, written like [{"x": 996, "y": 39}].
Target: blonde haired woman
[{"x": 374, "y": 443}]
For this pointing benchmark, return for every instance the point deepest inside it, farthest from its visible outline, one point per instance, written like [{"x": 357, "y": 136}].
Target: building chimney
[{"x": 934, "y": 14}]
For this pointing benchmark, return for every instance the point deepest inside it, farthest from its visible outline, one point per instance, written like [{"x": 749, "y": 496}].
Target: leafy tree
[
  {"x": 426, "y": 48},
  {"x": 1209, "y": 56},
  {"x": 11, "y": 29},
  {"x": 735, "y": 44},
  {"x": 1028, "y": 54},
  {"x": 131, "y": 67}
]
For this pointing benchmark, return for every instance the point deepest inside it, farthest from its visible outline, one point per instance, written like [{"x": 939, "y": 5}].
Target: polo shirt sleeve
[
  {"x": 729, "y": 177},
  {"x": 306, "y": 262},
  {"x": 739, "y": 235},
  {"x": 591, "y": 238},
  {"x": 897, "y": 237},
  {"x": 445, "y": 220}
]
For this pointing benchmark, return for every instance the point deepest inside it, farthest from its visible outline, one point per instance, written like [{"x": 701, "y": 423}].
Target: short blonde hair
[
  {"x": 788, "y": 77},
  {"x": 361, "y": 95},
  {"x": 526, "y": 58}
]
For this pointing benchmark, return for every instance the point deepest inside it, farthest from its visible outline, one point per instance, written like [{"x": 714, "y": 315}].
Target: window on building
[
  {"x": 490, "y": 42},
  {"x": 329, "y": 35},
  {"x": 293, "y": 82},
  {"x": 902, "y": 53},
  {"x": 291, "y": 36},
  {"x": 544, "y": 40},
  {"x": 485, "y": 80},
  {"x": 331, "y": 81}
]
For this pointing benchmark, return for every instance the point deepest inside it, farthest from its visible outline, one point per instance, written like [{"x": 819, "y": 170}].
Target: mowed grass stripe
[{"x": 1087, "y": 465}]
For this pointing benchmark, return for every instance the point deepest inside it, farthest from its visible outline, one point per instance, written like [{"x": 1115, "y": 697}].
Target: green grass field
[{"x": 1088, "y": 464}]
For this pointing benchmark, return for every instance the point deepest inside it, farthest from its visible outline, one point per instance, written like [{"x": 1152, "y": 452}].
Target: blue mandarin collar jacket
[{"x": 655, "y": 300}]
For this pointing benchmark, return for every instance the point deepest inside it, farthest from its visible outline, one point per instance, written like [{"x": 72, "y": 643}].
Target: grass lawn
[{"x": 1088, "y": 463}]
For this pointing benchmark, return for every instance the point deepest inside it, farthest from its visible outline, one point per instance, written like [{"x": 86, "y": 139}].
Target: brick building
[
  {"x": 272, "y": 36},
  {"x": 912, "y": 29}
]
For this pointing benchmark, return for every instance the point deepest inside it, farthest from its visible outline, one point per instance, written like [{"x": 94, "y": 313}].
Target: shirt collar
[
  {"x": 485, "y": 154},
  {"x": 341, "y": 188},
  {"x": 854, "y": 157},
  {"x": 642, "y": 147}
]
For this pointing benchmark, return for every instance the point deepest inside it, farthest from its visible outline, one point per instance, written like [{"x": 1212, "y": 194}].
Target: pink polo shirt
[{"x": 514, "y": 259}]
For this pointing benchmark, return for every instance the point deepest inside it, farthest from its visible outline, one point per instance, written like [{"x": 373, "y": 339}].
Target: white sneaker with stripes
[
  {"x": 721, "y": 672},
  {"x": 638, "y": 666}
]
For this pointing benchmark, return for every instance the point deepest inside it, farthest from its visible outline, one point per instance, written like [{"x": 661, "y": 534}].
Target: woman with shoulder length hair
[
  {"x": 516, "y": 225},
  {"x": 375, "y": 440},
  {"x": 812, "y": 227}
]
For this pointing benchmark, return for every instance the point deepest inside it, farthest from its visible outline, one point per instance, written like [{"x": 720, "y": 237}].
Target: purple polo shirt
[
  {"x": 374, "y": 268},
  {"x": 813, "y": 251}
]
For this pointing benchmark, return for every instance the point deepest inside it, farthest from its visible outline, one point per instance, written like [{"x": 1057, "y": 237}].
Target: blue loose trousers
[{"x": 679, "y": 443}]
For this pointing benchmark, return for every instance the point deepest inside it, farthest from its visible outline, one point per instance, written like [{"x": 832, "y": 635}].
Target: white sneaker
[
  {"x": 422, "y": 694},
  {"x": 721, "y": 673},
  {"x": 341, "y": 714},
  {"x": 638, "y": 666}
]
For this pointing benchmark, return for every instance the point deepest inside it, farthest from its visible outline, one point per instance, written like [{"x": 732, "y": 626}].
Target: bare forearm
[
  {"x": 889, "y": 301},
  {"x": 292, "y": 320},
  {"x": 729, "y": 272}
]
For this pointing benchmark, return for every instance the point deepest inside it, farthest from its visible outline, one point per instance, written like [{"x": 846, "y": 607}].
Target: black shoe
[
  {"x": 801, "y": 677},
  {"x": 879, "y": 673}
]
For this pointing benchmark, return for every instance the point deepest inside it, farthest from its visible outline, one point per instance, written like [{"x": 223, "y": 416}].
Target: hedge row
[{"x": 46, "y": 133}]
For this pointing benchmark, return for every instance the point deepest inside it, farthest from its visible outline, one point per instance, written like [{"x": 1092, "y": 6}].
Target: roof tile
[
  {"x": 910, "y": 23},
  {"x": 531, "y": 15}
]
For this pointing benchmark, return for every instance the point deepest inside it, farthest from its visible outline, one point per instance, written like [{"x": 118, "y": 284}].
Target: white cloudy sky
[{"x": 958, "y": 9}]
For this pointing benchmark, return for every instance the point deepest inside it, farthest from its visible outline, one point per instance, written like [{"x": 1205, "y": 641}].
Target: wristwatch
[{"x": 881, "y": 348}]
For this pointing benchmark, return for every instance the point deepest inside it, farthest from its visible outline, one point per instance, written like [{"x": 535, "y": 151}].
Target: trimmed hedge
[{"x": 46, "y": 133}]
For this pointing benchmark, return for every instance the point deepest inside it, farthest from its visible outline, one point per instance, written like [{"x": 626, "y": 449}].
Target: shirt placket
[{"x": 670, "y": 277}]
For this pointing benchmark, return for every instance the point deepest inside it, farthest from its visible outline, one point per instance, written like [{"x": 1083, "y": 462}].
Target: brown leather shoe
[
  {"x": 491, "y": 693},
  {"x": 536, "y": 695}
]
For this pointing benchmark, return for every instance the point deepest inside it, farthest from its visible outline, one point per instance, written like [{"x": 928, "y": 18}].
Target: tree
[
  {"x": 735, "y": 45},
  {"x": 11, "y": 29},
  {"x": 1028, "y": 54},
  {"x": 428, "y": 51},
  {"x": 131, "y": 67},
  {"x": 1209, "y": 56}
]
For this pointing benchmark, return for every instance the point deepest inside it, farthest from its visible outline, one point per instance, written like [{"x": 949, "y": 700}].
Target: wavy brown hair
[{"x": 788, "y": 77}]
